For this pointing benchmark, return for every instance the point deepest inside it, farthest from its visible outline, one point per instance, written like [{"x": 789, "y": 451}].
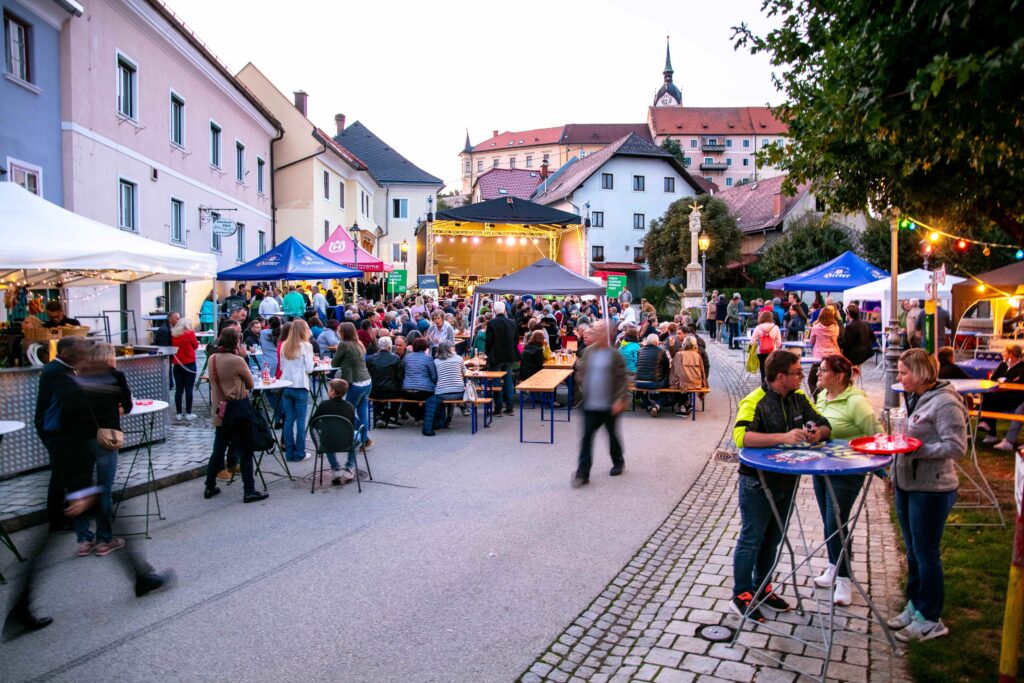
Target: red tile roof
[
  {"x": 516, "y": 182},
  {"x": 525, "y": 138},
  {"x": 761, "y": 205},
  {"x": 705, "y": 184},
  {"x": 601, "y": 133},
  {"x": 349, "y": 158},
  {"x": 716, "y": 121}
]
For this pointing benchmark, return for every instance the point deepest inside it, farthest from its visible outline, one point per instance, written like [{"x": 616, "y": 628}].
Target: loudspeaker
[{"x": 442, "y": 279}]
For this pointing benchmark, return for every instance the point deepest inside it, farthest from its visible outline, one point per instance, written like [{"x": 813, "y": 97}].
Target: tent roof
[
  {"x": 509, "y": 210},
  {"x": 53, "y": 244},
  {"x": 909, "y": 285},
  {"x": 338, "y": 248},
  {"x": 843, "y": 272},
  {"x": 543, "y": 277},
  {"x": 290, "y": 260},
  {"x": 1008, "y": 279}
]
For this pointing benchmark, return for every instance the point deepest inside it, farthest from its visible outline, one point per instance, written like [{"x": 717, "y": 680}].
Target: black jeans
[
  {"x": 237, "y": 437},
  {"x": 389, "y": 413},
  {"x": 55, "y": 491},
  {"x": 184, "y": 383},
  {"x": 416, "y": 395},
  {"x": 593, "y": 420}
]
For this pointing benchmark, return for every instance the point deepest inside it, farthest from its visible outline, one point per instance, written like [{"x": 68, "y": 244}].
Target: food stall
[{"x": 46, "y": 247}]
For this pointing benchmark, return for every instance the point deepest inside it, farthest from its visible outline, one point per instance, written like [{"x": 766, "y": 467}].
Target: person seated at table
[
  {"x": 1010, "y": 370},
  {"x": 824, "y": 341},
  {"x": 533, "y": 355},
  {"x": 337, "y": 405},
  {"x": 687, "y": 372},
  {"x": 55, "y": 316},
  {"x": 366, "y": 336},
  {"x": 795, "y": 322},
  {"x": 386, "y": 374},
  {"x": 850, "y": 415},
  {"x": 765, "y": 338},
  {"x": 652, "y": 372},
  {"x": 328, "y": 338},
  {"x": 628, "y": 349},
  {"x": 295, "y": 365},
  {"x": 316, "y": 327},
  {"x": 771, "y": 415},
  {"x": 251, "y": 338},
  {"x": 419, "y": 376},
  {"x": 451, "y": 383},
  {"x": 948, "y": 369},
  {"x": 925, "y": 484}
]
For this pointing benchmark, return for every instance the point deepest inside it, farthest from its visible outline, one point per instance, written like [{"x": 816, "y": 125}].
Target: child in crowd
[{"x": 337, "y": 405}]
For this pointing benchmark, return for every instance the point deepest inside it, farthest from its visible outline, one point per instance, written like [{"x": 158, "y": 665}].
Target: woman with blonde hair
[
  {"x": 766, "y": 338},
  {"x": 824, "y": 341},
  {"x": 295, "y": 365},
  {"x": 183, "y": 366}
]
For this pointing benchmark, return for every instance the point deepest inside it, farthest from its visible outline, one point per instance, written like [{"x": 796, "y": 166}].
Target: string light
[
  {"x": 500, "y": 240},
  {"x": 1019, "y": 255},
  {"x": 463, "y": 240},
  {"x": 934, "y": 237},
  {"x": 986, "y": 251},
  {"x": 962, "y": 243}
]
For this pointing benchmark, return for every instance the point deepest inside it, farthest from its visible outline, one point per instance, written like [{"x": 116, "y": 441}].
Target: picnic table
[
  {"x": 561, "y": 363},
  {"x": 544, "y": 382}
]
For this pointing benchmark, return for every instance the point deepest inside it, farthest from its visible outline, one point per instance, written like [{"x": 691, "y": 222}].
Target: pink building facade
[{"x": 159, "y": 139}]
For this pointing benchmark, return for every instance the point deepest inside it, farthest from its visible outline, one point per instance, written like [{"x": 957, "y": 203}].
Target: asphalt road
[{"x": 461, "y": 562}]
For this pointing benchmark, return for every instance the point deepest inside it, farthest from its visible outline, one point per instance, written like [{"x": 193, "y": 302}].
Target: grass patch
[{"x": 976, "y": 562}]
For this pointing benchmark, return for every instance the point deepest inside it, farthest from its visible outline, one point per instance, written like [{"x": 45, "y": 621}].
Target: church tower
[{"x": 668, "y": 94}]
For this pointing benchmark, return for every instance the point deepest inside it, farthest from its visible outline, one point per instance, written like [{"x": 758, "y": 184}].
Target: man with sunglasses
[{"x": 776, "y": 413}]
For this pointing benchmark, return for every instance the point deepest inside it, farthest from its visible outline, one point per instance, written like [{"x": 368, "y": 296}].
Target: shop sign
[
  {"x": 616, "y": 283},
  {"x": 397, "y": 281},
  {"x": 225, "y": 227}
]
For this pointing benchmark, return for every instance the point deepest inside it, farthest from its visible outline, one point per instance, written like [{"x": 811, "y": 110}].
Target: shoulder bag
[{"x": 107, "y": 437}]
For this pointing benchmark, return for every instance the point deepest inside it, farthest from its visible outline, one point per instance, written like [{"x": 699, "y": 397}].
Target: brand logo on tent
[
  {"x": 310, "y": 260},
  {"x": 272, "y": 260},
  {"x": 336, "y": 247},
  {"x": 840, "y": 273}
]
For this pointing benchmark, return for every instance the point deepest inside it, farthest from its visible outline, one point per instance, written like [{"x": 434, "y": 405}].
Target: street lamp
[
  {"x": 354, "y": 231},
  {"x": 405, "y": 251},
  {"x": 704, "y": 241}
]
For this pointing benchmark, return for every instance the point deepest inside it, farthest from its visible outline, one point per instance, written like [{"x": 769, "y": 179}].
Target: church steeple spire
[
  {"x": 668, "y": 95},
  {"x": 468, "y": 147},
  {"x": 668, "y": 62}
]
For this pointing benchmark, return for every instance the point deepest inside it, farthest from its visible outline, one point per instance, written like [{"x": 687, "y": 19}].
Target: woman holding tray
[{"x": 851, "y": 415}]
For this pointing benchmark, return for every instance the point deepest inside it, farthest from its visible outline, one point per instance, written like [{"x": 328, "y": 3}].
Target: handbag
[
  {"x": 222, "y": 405},
  {"x": 753, "y": 365},
  {"x": 469, "y": 394},
  {"x": 107, "y": 437}
]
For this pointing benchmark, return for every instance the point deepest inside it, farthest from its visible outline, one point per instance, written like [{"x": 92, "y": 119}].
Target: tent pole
[
  {"x": 216, "y": 313},
  {"x": 472, "y": 323},
  {"x": 607, "y": 318}
]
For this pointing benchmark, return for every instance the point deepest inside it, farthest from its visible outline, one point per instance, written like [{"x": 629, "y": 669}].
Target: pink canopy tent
[{"x": 338, "y": 248}]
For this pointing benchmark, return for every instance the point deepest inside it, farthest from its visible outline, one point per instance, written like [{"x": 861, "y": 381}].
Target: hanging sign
[
  {"x": 616, "y": 283},
  {"x": 427, "y": 284},
  {"x": 225, "y": 227}
]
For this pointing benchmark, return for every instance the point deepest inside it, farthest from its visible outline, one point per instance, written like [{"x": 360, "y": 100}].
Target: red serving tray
[{"x": 866, "y": 444}]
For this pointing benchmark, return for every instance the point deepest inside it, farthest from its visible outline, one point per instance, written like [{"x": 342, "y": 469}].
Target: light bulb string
[
  {"x": 986, "y": 285},
  {"x": 958, "y": 238}
]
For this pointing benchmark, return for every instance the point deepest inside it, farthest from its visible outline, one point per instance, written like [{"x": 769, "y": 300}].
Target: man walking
[
  {"x": 53, "y": 381},
  {"x": 777, "y": 413},
  {"x": 601, "y": 378},
  {"x": 502, "y": 354}
]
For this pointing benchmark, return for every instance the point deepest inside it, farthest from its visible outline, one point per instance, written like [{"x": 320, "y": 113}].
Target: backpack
[{"x": 765, "y": 344}]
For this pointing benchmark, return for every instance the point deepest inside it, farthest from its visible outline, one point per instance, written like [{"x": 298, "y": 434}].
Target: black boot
[{"x": 20, "y": 620}]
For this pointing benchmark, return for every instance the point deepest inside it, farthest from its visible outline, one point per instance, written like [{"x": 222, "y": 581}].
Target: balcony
[
  {"x": 714, "y": 166},
  {"x": 706, "y": 146}
]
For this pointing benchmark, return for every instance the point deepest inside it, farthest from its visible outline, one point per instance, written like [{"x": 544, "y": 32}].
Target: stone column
[{"x": 692, "y": 293}]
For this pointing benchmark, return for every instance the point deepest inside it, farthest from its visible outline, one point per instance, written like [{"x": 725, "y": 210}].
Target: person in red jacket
[{"x": 183, "y": 366}]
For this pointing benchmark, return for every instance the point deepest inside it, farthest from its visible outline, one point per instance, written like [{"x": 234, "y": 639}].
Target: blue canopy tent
[{"x": 843, "y": 272}]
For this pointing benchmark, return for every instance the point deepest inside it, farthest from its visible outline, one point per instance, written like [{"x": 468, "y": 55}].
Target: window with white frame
[
  {"x": 327, "y": 185},
  {"x": 639, "y": 183},
  {"x": 712, "y": 141},
  {"x": 529, "y": 161},
  {"x": 16, "y": 48},
  {"x": 597, "y": 219},
  {"x": 693, "y": 143},
  {"x": 728, "y": 162},
  {"x": 670, "y": 184},
  {"x": 511, "y": 162},
  {"x": 728, "y": 142},
  {"x": 261, "y": 242},
  {"x": 496, "y": 162},
  {"x": 127, "y": 88},
  {"x": 709, "y": 160},
  {"x": 746, "y": 162},
  {"x": 467, "y": 165},
  {"x": 687, "y": 161},
  {"x": 545, "y": 157},
  {"x": 399, "y": 208},
  {"x": 341, "y": 194},
  {"x": 638, "y": 255},
  {"x": 728, "y": 182},
  {"x": 261, "y": 169},
  {"x": 177, "y": 221},
  {"x": 607, "y": 181},
  {"x": 239, "y": 242},
  {"x": 177, "y": 119},
  {"x": 597, "y": 253},
  {"x": 479, "y": 164},
  {"x": 239, "y": 161},
  {"x": 28, "y": 176},
  {"x": 128, "y": 205},
  {"x": 214, "y": 145},
  {"x": 639, "y": 221},
  {"x": 214, "y": 237}
]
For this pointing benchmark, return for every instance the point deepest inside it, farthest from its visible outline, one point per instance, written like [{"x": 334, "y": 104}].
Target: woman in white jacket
[
  {"x": 766, "y": 338},
  {"x": 295, "y": 366}
]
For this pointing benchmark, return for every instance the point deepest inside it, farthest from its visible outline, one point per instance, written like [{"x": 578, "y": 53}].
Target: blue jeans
[
  {"x": 435, "y": 416},
  {"x": 293, "y": 404},
  {"x": 106, "y": 466},
  {"x": 760, "y": 533},
  {"x": 507, "y": 391},
  {"x": 846, "y": 488},
  {"x": 646, "y": 399},
  {"x": 350, "y": 463},
  {"x": 359, "y": 397},
  {"x": 922, "y": 516}
]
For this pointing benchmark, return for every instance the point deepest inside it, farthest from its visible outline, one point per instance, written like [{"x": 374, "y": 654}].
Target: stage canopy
[
  {"x": 290, "y": 260},
  {"x": 543, "y": 277},
  {"x": 508, "y": 210},
  {"x": 338, "y": 248},
  {"x": 42, "y": 242},
  {"x": 1004, "y": 287},
  {"x": 841, "y": 273}
]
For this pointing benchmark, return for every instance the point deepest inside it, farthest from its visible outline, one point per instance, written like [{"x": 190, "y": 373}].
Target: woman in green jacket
[{"x": 851, "y": 415}]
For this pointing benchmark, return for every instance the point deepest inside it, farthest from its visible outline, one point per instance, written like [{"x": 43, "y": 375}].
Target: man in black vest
[{"x": 502, "y": 354}]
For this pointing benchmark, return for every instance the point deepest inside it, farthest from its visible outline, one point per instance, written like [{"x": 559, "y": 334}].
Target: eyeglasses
[{"x": 798, "y": 373}]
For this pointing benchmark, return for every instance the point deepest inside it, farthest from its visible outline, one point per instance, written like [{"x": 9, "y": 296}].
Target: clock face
[{"x": 666, "y": 101}]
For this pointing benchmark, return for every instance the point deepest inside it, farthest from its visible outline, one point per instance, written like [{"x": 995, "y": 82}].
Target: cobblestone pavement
[{"x": 645, "y": 625}]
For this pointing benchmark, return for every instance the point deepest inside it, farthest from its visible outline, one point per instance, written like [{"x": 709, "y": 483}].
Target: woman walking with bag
[
  {"x": 183, "y": 365},
  {"x": 233, "y": 416}
]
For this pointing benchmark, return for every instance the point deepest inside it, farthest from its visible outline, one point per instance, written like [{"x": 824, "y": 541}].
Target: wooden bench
[
  {"x": 473, "y": 417},
  {"x": 694, "y": 393}
]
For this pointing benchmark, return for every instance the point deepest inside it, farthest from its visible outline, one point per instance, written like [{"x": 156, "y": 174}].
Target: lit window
[
  {"x": 128, "y": 197},
  {"x": 127, "y": 88}
]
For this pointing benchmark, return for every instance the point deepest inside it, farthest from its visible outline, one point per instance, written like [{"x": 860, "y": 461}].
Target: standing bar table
[
  {"x": 259, "y": 403},
  {"x": 6, "y": 427},
  {"x": 830, "y": 459},
  {"x": 144, "y": 408}
]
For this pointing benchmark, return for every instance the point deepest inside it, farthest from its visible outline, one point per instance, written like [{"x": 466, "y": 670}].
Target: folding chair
[{"x": 334, "y": 434}]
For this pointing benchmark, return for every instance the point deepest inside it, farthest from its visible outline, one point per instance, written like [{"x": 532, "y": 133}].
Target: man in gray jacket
[{"x": 601, "y": 379}]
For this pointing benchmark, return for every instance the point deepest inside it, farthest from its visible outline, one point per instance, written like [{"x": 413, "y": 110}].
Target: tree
[
  {"x": 971, "y": 260},
  {"x": 809, "y": 241},
  {"x": 876, "y": 245},
  {"x": 907, "y": 104},
  {"x": 674, "y": 148},
  {"x": 667, "y": 245}
]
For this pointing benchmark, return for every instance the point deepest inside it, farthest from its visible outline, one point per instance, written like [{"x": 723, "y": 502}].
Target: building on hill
[
  {"x": 512, "y": 149},
  {"x": 408, "y": 193},
  {"x": 507, "y": 182},
  {"x": 620, "y": 188}
]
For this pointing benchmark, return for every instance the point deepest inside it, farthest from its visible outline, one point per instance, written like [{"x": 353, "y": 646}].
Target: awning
[
  {"x": 290, "y": 260},
  {"x": 843, "y": 272},
  {"x": 338, "y": 248}
]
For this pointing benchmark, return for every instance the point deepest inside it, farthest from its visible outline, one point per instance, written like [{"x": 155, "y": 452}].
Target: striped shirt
[{"x": 449, "y": 375}]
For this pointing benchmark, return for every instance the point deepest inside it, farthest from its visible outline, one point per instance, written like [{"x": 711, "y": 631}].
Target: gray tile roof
[{"x": 386, "y": 165}]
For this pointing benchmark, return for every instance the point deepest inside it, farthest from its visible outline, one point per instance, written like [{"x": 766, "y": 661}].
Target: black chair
[{"x": 334, "y": 434}]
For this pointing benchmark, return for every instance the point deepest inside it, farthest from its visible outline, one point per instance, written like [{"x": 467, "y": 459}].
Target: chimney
[
  {"x": 544, "y": 170},
  {"x": 495, "y": 133},
  {"x": 300, "y": 101},
  {"x": 339, "y": 123},
  {"x": 777, "y": 204}
]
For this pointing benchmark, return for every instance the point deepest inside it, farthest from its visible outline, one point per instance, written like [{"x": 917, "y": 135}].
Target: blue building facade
[{"x": 30, "y": 115}]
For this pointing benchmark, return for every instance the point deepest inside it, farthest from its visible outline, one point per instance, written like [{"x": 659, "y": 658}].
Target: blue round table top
[
  {"x": 831, "y": 457},
  {"x": 962, "y": 386}
]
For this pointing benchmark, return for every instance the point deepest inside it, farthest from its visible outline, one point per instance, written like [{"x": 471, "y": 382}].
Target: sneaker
[
  {"x": 336, "y": 478},
  {"x": 616, "y": 470},
  {"x": 151, "y": 581},
  {"x": 773, "y": 601},
  {"x": 224, "y": 475},
  {"x": 985, "y": 426},
  {"x": 903, "y": 619},
  {"x": 922, "y": 629},
  {"x": 990, "y": 439},
  {"x": 178, "y": 417},
  {"x": 578, "y": 481},
  {"x": 85, "y": 548},
  {"x": 826, "y": 577},
  {"x": 1003, "y": 445},
  {"x": 741, "y": 606},
  {"x": 255, "y": 497},
  {"x": 346, "y": 474},
  {"x": 189, "y": 417},
  {"x": 104, "y": 549},
  {"x": 510, "y": 412},
  {"x": 842, "y": 595}
]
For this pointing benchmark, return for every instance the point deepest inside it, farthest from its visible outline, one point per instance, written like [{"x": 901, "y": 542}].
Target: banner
[
  {"x": 616, "y": 283},
  {"x": 397, "y": 282},
  {"x": 427, "y": 284}
]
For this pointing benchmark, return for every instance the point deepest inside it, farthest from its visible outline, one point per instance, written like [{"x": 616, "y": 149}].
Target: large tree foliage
[
  {"x": 875, "y": 245},
  {"x": 907, "y": 104},
  {"x": 674, "y": 148},
  {"x": 667, "y": 245},
  {"x": 809, "y": 241}
]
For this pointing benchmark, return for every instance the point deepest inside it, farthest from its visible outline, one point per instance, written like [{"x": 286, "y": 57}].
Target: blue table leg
[
  {"x": 551, "y": 405},
  {"x": 568, "y": 406},
  {"x": 520, "y": 417}
]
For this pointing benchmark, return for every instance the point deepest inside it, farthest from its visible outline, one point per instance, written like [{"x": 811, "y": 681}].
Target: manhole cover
[
  {"x": 724, "y": 456},
  {"x": 716, "y": 634}
]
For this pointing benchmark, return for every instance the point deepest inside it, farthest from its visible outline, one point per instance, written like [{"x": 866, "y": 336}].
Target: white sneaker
[
  {"x": 825, "y": 580},
  {"x": 990, "y": 439},
  {"x": 1003, "y": 445},
  {"x": 177, "y": 418},
  {"x": 903, "y": 619},
  {"x": 189, "y": 417},
  {"x": 842, "y": 595},
  {"x": 922, "y": 629},
  {"x": 346, "y": 474}
]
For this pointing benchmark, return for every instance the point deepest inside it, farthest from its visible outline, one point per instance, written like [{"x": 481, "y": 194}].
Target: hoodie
[{"x": 939, "y": 420}]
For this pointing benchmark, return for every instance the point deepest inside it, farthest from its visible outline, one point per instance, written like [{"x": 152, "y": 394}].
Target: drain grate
[
  {"x": 725, "y": 457},
  {"x": 715, "y": 633}
]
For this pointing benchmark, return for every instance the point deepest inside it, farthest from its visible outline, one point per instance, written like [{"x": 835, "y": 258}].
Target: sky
[{"x": 419, "y": 74}]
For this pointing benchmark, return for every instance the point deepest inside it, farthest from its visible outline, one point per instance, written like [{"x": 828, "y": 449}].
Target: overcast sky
[{"x": 418, "y": 74}]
